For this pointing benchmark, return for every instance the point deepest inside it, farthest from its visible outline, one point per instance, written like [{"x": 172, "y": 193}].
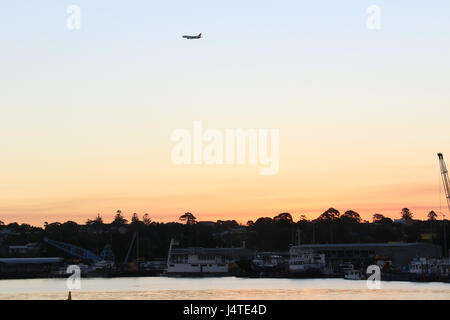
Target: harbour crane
[
  {"x": 445, "y": 178},
  {"x": 106, "y": 255},
  {"x": 446, "y": 182}
]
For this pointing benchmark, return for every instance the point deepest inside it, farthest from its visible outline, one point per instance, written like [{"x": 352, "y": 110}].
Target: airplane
[{"x": 193, "y": 37}]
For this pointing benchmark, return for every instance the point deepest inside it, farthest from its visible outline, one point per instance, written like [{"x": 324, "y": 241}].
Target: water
[{"x": 220, "y": 289}]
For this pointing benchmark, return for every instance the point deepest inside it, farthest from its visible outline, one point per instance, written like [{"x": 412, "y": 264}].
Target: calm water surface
[{"x": 220, "y": 288}]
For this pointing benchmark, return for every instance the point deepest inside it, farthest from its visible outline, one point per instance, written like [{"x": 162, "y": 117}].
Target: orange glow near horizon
[
  {"x": 238, "y": 203},
  {"x": 76, "y": 188}
]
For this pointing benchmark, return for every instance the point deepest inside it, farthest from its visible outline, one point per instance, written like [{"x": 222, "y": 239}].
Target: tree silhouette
[
  {"x": 352, "y": 216},
  {"x": 406, "y": 214},
  {"x": 377, "y": 217},
  {"x": 329, "y": 215},
  {"x": 119, "y": 218},
  {"x": 264, "y": 234},
  {"x": 135, "y": 218},
  {"x": 283, "y": 217},
  {"x": 264, "y": 220},
  {"x": 97, "y": 221},
  {"x": 189, "y": 218},
  {"x": 432, "y": 215},
  {"x": 146, "y": 219}
]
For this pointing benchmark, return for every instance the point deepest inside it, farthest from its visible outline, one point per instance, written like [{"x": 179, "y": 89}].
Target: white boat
[
  {"x": 197, "y": 262},
  {"x": 101, "y": 266},
  {"x": 423, "y": 266},
  {"x": 267, "y": 261},
  {"x": 353, "y": 275},
  {"x": 305, "y": 262},
  {"x": 202, "y": 261}
]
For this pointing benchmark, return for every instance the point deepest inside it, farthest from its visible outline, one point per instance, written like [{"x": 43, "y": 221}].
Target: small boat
[{"x": 353, "y": 275}]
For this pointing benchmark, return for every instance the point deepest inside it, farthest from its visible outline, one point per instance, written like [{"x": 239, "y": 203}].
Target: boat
[
  {"x": 420, "y": 269},
  {"x": 269, "y": 265},
  {"x": 196, "y": 261},
  {"x": 267, "y": 262},
  {"x": 423, "y": 269},
  {"x": 353, "y": 275},
  {"x": 305, "y": 263}
]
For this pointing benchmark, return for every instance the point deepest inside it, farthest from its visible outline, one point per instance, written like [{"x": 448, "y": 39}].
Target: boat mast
[{"x": 173, "y": 242}]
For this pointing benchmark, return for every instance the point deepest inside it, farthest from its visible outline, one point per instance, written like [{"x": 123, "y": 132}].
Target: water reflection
[{"x": 220, "y": 288}]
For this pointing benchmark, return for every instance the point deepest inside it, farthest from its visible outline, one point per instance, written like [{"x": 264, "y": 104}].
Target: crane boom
[
  {"x": 445, "y": 178},
  {"x": 446, "y": 182},
  {"x": 129, "y": 249},
  {"x": 74, "y": 250}
]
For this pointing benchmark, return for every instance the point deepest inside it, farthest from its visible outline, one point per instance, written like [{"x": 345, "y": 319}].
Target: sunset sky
[{"x": 87, "y": 115}]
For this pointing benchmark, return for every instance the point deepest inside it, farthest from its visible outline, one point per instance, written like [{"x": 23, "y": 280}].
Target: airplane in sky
[{"x": 193, "y": 37}]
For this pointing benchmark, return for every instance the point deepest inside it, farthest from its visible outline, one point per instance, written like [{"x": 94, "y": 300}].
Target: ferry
[
  {"x": 305, "y": 262},
  {"x": 201, "y": 262}
]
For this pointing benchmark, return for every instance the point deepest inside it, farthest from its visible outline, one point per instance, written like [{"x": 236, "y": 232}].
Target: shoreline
[{"x": 199, "y": 277}]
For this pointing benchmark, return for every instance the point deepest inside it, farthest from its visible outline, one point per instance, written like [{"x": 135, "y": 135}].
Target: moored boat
[{"x": 305, "y": 263}]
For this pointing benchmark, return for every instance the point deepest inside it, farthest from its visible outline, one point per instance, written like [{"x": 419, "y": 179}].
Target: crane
[
  {"x": 445, "y": 178},
  {"x": 135, "y": 236},
  {"x": 106, "y": 254},
  {"x": 446, "y": 182}
]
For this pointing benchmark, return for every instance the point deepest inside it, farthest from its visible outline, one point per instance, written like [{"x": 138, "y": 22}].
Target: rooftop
[
  {"x": 361, "y": 245},
  {"x": 30, "y": 260},
  {"x": 219, "y": 251}
]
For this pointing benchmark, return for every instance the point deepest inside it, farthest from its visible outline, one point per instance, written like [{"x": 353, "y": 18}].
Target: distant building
[
  {"x": 206, "y": 223},
  {"x": 238, "y": 230},
  {"x": 3, "y": 250},
  {"x": 122, "y": 230},
  {"x": 28, "y": 249},
  {"x": 427, "y": 236},
  {"x": 26, "y": 267},
  {"x": 236, "y": 233},
  {"x": 4, "y": 232},
  {"x": 406, "y": 221}
]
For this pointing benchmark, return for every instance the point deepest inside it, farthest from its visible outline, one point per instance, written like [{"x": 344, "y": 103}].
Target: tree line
[{"x": 264, "y": 234}]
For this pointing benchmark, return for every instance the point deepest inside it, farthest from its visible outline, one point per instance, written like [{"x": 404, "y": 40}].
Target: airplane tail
[{"x": 199, "y": 35}]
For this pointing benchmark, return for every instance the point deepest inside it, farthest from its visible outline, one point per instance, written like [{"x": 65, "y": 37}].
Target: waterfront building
[{"x": 28, "y": 267}]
